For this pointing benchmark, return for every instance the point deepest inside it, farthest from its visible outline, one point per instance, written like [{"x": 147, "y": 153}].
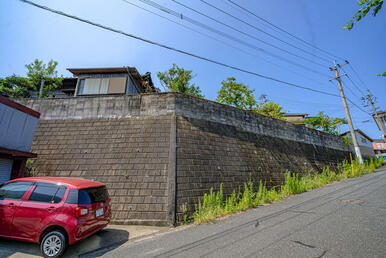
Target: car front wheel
[{"x": 53, "y": 244}]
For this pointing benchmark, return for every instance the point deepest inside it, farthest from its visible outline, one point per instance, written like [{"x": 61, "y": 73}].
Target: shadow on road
[{"x": 105, "y": 239}]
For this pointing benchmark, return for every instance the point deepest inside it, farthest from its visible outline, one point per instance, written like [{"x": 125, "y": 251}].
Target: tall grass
[{"x": 215, "y": 205}]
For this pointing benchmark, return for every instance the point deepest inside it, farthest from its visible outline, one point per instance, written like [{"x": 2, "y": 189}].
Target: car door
[
  {"x": 11, "y": 195},
  {"x": 38, "y": 211}
]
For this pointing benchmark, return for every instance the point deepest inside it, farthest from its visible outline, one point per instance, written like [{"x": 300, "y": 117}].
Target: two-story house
[{"x": 104, "y": 81}]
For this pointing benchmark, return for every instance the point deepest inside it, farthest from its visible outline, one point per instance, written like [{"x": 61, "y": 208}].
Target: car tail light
[{"x": 79, "y": 211}]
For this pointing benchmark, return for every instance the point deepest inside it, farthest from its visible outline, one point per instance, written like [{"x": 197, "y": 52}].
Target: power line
[
  {"x": 181, "y": 16},
  {"x": 352, "y": 92},
  {"x": 357, "y": 75},
  {"x": 282, "y": 30},
  {"x": 197, "y": 31},
  {"x": 180, "y": 51},
  {"x": 353, "y": 103},
  {"x": 222, "y": 42},
  {"x": 247, "y": 34},
  {"x": 174, "y": 49},
  {"x": 327, "y": 105},
  {"x": 356, "y": 86}
]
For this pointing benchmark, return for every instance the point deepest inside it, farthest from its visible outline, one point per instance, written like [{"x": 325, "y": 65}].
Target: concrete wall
[
  {"x": 156, "y": 152},
  {"x": 122, "y": 141},
  {"x": 247, "y": 121},
  {"x": 220, "y": 144}
]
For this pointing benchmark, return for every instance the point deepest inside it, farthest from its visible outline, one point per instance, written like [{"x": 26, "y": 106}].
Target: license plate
[{"x": 99, "y": 212}]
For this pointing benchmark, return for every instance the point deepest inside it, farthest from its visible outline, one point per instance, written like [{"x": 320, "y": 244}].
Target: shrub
[{"x": 213, "y": 204}]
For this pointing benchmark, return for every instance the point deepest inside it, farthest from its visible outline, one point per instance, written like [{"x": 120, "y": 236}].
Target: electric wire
[
  {"x": 352, "y": 102},
  {"x": 179, "y": 51},
  {"x": 359, "y": 78},
  {"x": 197, "y": 23},
  {"x": 174, "y": 49},
  {"x": 356, "y": 86},
  {"x": 224, "y": 43},
  {"x": 327, "y": 105},
  {"x": 197, "y": 31},
  {"x": 244, "y": 33},
  {"x": 352, "y": 92},
  {"x": 356, "y": 74},
  {"x": 282, "y": 30}
]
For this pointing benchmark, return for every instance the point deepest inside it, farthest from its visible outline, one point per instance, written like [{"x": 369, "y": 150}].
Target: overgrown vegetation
[
  {"x": 177, "y": 79},
  {"x": 215, "y": 204},
  {"x": 37, "y": 72},
  {"x": 347, "y": 141},
  {"x": 325, "y": 123},
  {"x": 28, "y": 171},
  {"x": 239, "y": 95}
]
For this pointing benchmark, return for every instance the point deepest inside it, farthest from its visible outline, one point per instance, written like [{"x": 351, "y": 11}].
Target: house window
[
  {"x": 91, "y": 86},
  {"x": 117, "y": 85}
]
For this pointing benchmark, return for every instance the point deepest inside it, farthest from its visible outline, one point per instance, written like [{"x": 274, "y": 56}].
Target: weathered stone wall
[
  {"x": 188, "y": 106},
  {"x": 220, "y": 144},
  {"x": 211, "y": 153},
  {"x": 156, "y": 152},
  {"x": 130, "y": 155},
  {"x": 116, "y": 106},
  {"x": 122, "y": 141}
]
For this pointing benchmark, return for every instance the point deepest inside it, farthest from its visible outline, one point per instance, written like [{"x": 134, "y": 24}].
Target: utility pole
[
  {"x": 41, "y": 88},
  {"x": 376, "y": 114},
  {"x": 352, "y": 132}
]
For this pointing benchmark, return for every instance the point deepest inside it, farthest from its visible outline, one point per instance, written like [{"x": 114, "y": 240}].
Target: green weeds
[{"x": 215, "y": 205}]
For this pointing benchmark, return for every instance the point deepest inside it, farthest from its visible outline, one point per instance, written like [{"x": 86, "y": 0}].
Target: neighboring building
[
  {"x": 381, "y": 123},
  {"x": 297, "y": 119},
  {"x": 103, "y": 81},
  {"x": 17, "y": 129},
  {"x": 109, "y": 81},
  {"x": 364, "y": 141},
  {"x": 379, "y": 147}
]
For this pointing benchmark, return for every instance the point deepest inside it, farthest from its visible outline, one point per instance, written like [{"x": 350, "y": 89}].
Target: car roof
[{"x": 77, "y": 183}]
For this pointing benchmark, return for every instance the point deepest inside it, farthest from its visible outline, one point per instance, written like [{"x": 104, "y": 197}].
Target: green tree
[
  {"x": 382, "y": 74},
  {"x": 178, "y": 79},
  {"x": 38, "y": 71},
  {"x": 270, "y": 109},
  {"x": 239, "y": 95},
  {"x": 365, "y": 7},
  {"x": 15, "y": 87},
  {"x": 19, "y": 87},
  {"x": 236, "y": 94},
  {"x": 325, "y": 123}
]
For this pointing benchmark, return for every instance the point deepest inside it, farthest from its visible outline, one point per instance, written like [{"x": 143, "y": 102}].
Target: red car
[{"x": 53, "y": 211}]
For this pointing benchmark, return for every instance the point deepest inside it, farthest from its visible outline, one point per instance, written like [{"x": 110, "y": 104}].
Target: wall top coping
[{"x": 172, "y": 103}]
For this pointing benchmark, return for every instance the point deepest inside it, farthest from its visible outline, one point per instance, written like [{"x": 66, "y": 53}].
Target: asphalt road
[{"x": 344, "y": 219}]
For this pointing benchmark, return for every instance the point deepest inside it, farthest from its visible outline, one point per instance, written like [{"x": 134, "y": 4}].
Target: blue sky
[{"x": 29, "y": 33}]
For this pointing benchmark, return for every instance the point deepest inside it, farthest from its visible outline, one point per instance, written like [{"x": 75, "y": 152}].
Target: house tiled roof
[{"x": 359, "y": 131}]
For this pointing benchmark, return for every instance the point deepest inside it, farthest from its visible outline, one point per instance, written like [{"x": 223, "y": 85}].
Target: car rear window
[{"x": 87, "y": 196}]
